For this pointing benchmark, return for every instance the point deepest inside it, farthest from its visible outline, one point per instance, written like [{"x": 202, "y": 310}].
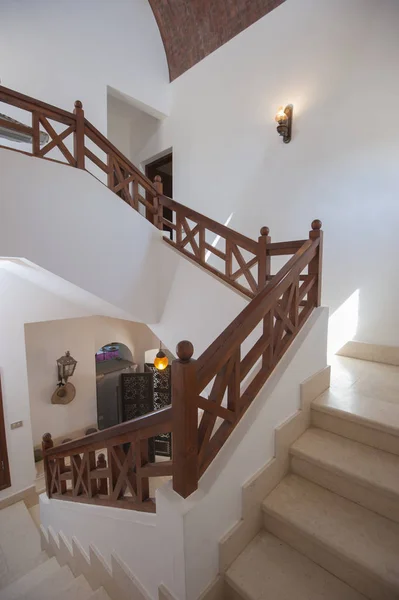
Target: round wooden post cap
[
  {"x": 316, "y": 225},
  {"x": 101, "y": 458},
  {"x": 78, "y": 104},
  {"x": 46, "y": 437},
  {"x": 184, "y": 350},
  {"x": 264, "y": 231},
  {"x": 157, "y": 178}
]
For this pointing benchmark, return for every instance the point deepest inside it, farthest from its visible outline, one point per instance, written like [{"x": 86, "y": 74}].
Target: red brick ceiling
[{"x": 192, "y": 29}]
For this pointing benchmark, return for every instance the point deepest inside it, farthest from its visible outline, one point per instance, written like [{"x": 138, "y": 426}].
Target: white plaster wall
[
  {"x": 73, "y": 49},
  {"x": 47, "y": 341},
  {"x": 22, "y": 301},
  {"x": 65, "y": 221},
  {"x": 150, "y": 545},
  {"x": 129, "y": 128},
  {"x": 334, "y": 60},
  {"x": 179, "y": 545}
]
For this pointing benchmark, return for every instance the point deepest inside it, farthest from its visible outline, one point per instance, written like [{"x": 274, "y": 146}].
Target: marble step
[
  {"x": 353, "y": 543},
  {"x": 100, "y": 594},
  {"x": 49, "y": 588},
  {"x": 20, "y": 549},
  {"x": 79, "y": 589},
  {"x": 363, "y": 474},
  {"x": 270, "y": 569},
  {"x": 367, "y": 420},
  {"x": 33, "y": 578}
]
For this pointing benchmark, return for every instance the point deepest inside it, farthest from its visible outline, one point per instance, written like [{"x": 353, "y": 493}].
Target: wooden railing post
[
  {"x": 315, "y": 265},
  {"x": 185, "y": 421},
  {"x": 263, "y": 258},
  {"x": 47, "y": 443},
  {"x": 157, "y": 205},
  {"x": 79, "y": 135}
]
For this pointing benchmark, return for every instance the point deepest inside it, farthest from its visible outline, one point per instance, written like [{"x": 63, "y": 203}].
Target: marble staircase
[
  {"x": 26, "y": 572},
  {"x": 331, "y": 526}
]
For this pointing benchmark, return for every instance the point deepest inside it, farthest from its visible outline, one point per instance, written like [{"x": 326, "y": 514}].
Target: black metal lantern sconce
[
  {"x": 284, "y": 120},
  {"x": 65, "y": 391}
]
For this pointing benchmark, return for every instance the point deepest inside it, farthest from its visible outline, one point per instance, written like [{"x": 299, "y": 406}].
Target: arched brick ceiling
[{"x": 192, "y": 29}]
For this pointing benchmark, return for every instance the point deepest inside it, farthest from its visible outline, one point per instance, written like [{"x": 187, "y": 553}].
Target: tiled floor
[{"x": 364, "y": 388}]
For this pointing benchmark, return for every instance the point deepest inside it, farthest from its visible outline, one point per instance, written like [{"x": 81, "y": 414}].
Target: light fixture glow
[{"x": 161, "y": 361}]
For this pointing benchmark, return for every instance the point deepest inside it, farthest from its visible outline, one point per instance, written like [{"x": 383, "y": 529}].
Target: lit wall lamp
[
  {"x": 65, "y": 391},
  {"x": 284, "y": 120}
]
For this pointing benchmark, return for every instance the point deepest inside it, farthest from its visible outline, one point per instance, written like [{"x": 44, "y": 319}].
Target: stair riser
[
  {"x": 372, "y": 498},
  {"x": 357, "y": 431},
  {"x": 353, "y": 574},
  {"x": 230, "y": 593}
]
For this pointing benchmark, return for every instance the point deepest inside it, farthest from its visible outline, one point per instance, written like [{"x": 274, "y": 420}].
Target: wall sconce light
[
  {"x": 161, "y": 361},
  {"x": 284, "y": 120},
  {"x": 65, "y": 391}
]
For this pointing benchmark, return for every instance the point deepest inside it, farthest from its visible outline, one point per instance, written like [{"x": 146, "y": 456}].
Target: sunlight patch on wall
[
  {"x": 217, "y": 239},
  {"x": 342, "y": 325}
]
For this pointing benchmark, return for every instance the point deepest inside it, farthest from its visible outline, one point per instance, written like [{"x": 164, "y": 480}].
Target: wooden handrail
[
  {"x": 281, "y": 307},
  {"x": 281, "y": 303},
  {"x": 124, "y": 481},
  {"x": 157, "y": 420},
  {"x": 234, "y": 258}
]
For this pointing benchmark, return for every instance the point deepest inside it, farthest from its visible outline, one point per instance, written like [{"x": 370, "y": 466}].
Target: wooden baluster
[
  {"x": 229, "y": 258},
  {"x": 141, "y": 458},
  {"x": 179, "y": 228},
  {"x": 263, "y": 258},
  {"x": 201, "y": 243},
  {"x": 111, "y": 176},
  {"x": 79, "y": 135},
  {"x": 47, "y": 443},
  {"x": 35, "y": 135},
  {"x": 185, "y": 421},
  {"x": 315, "y": 265},
  {"x": 102, "y": 484},
  {"x": 90, "y": 466},
  {"x": 157, "y": 205}
]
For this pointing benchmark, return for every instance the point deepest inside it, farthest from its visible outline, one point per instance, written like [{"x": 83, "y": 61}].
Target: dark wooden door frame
[
  {"x": 5, "y": 479},
  {"x": 154, "y": 168}
]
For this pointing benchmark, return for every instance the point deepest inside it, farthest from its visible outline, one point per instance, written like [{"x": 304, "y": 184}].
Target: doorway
[
  {"x": 111, "y": 360},
  {"x": 5, "y": 479},
  {"x": 164, "y": 168}
]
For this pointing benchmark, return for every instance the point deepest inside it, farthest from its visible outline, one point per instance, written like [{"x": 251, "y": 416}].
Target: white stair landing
[
  {"x": 357, "y": 545},
  {"x": 269, "y": 569}
]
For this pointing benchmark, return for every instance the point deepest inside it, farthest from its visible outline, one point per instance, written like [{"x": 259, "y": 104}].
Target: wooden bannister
[
  {"x": 236, "y": 259},
  {"x": 112, "y": 467}
]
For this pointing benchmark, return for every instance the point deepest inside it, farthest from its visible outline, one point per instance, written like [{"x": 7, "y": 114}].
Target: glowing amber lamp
[{"x": 161, "y": 361}]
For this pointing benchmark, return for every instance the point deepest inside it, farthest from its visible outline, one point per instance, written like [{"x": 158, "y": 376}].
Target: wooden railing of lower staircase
[{"x": 209, "y": 397}]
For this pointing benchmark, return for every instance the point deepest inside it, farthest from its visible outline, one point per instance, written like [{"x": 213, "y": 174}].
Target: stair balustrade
[{"x": 210, "y": 395}]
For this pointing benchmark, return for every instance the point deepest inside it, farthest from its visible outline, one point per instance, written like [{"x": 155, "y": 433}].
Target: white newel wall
[
  {"x": 73, "y": 49},
  {"x": 179, "y": 545},
  {"x": 333, "y": 60}
]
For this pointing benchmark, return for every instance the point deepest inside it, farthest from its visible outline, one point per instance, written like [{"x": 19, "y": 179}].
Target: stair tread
[
  {"x": 50, "y": 586},
  {"x": 31, "y": 579},
  {"x": 350, "y": 531},
  {"x": 78, "y": 589},
  {"x": 270, "y": 568},
  {"x": 373, "y": 467},
  {"x": 354, "y": 406},
  {"x": 20, "y": 549},
  {"x": 100, "y": 594}
]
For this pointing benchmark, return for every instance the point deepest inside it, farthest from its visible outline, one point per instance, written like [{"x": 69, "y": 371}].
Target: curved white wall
[{"x": 73, "y": 49}]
